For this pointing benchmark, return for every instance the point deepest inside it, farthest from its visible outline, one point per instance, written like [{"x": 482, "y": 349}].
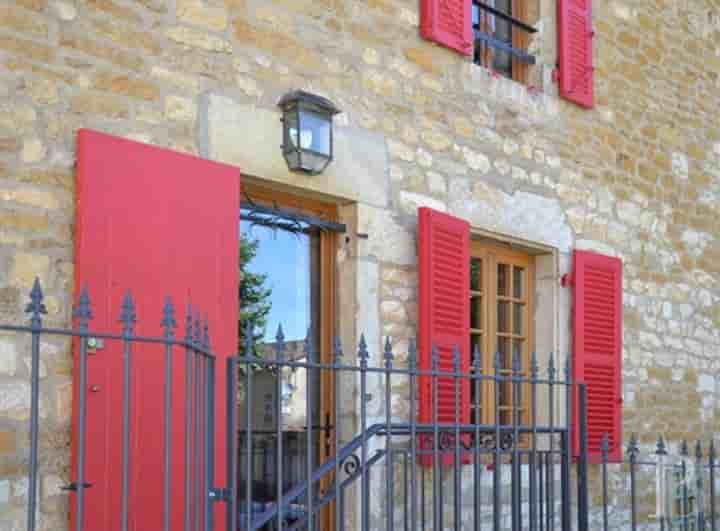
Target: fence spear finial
[
  {"x": 698, "y": 450},
  {"x": 128, "y": 317},
  {"x": 337, "y": 349},
  {"x": 412, "y": 353},
  {"x": 36, "y": 307},
  {"x": 83, "y": 311},
  {"x": 605, "y": 447},
  {"x": 362, "y": 350},
  {"x": 249, "y": 339},
  {"x": 684, "y": 449},
  {"x": 477, "y": 358},
  {"x": 280, "y": 343},
  {"x": 388, "y": 353},
  {"x": 633, "y": 447},
  {"x": 168, "y": 321},
  {"x": 660, "y": 446}
]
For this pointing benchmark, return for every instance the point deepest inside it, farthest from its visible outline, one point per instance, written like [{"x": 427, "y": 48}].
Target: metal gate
[
  {"x": 387, "y": 471},
  {"x": 391, "y": 472}
]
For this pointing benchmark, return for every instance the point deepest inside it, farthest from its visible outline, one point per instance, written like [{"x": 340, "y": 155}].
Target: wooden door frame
[{"x": 271, "y": 196}]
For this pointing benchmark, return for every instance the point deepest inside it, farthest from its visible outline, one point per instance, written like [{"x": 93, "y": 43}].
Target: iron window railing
[{"x": 489, "y": 37}]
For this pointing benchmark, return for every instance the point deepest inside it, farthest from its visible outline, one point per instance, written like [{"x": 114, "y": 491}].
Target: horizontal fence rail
[
  {"x": 181, "y": 499},
  {"x": 508, "y": 468}
]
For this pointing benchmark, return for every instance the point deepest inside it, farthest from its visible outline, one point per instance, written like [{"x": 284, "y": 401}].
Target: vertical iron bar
[
  {"x": 515, "y": 473},
  {"x": 582, "y": 492},
  {"x": 632, "y": 453},
  {"x": 457, "y": 495},
  {"x": 309, "y": 409},
  {"x": 660, "y": 452},
  {"x": 477, "y": 383},
  {"x": 337, "y": 363},
  {"x": 390, "y": 476},
  {"x": 249, "y": 354},
  {"x": 422, "y": 499},
  {"x": 605, "y": 447},
  {"x": 550, "y": 458},
  {"x": 188, "y": 417},
  {"x": 541, "y": 493},
  {"x": 364, "y": 501},
  {"x": 437, "y": 486},
  {"x": 128, "y": 318},
  {"x": 567, "y": 449},
  {"x": 168, "y": 323},
  {"x": 412, "y": 356},
  {"x": 35, "y": 308},
  {"x": 197, "y": 401},
  {"x": 684, "y": 453},
  {"x": 232, "y": 441},
  {"x": 84, "y": 315},
  {"x": 280, "y": 358},
  {"x": 533, "y": 442},
  {"x": 209, "y": 441},
  {"x": 699, "y": 502},
  {"x": 498, "y": 379},
  {"x": 406, "y": 491},
  {"x": 711, "y": 463}
]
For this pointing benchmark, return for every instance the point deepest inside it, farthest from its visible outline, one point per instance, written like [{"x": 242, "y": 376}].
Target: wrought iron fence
[
  {"x": 181, "y": 498},
  {"x": 388, "y": 470},
  {"x": 662, "y": 489}
]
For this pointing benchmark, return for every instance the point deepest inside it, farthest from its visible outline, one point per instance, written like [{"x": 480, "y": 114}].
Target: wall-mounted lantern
[{"x": 307, "y": 131}]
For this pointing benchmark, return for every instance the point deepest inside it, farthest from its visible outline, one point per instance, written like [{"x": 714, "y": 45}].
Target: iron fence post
[
  {"x": 661, "y": 453},
  {"x": 683, "y": 465},
  {"x": 232, "y": 441},
  {"x": 84, "y": 314},
  {"x": 582, "y": 488},
  {"x": 497, "y": 382},
  {"x": 457, "y": 494},
  {"x": 711, "y": 464},
  {"x": 412, "y": 364},
  {"x": 128, "y": 319},
  {"x": 632, "y": 454},
  {"x": 168, "y": 324},
  {"x": 605, "y": 448},
  {"x": 390, "y": 479},
  {"x": 699, "y": 502},
  {"x": 365, "y": 492}
]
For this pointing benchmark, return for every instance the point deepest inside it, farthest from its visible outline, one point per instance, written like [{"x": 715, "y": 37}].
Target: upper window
[
  {"x": 501, "y": 322},
  {"x": 502, "y": 36}
]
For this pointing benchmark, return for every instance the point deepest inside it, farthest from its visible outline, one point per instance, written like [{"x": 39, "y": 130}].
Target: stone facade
[{"x": 637, "y": 177}]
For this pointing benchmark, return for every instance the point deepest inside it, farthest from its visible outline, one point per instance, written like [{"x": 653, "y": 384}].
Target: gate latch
[{"x": 219, "y": 494}]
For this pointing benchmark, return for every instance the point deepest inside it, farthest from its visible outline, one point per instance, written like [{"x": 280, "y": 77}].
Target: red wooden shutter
[
  {"x": 444, "y": 311},
  {"x": 597, "y": 345},
  {"x": 575, "y": 62},
  {"x": 448, "y": 22},
  {"x": 159, "y": 223}
]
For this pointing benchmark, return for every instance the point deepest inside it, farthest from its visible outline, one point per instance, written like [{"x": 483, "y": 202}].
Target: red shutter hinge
[{"x": 567, "y": 280}]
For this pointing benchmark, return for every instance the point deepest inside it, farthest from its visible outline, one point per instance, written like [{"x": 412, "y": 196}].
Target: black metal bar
[
  {"x": 477, "y": 383},
  {"x": 509, "y": 18},
  {"x": 168, "y": 323},
  {"x": 279, "y": 357},
  {"x": 84, "y": 314},
  {"x": 365, "y": 480},
  {"x": 496, "y": 43},
  {"x": 232, "y": 442},
  {"x": 683, "y": 467},
  {"x": 310, "y": 354},
  {"x": 412, "y": 357},
  {"x": 515, "y": 482},
  {"x": 296, "y": 217},
  {"x": 711, "y": 465},
  {"x": 497, "y": 382},
  {"x": 188, "y": 419},
  {"x": 549, "y": 459},
  {"x": 249, "y": 351},
  {"x": 337, "y": 359},
  {"x": 541, "y": 493},
  {"x": 605, "y": 447},
  {"x": 582, "y": 487},
  {"x": 532, "y": 458},
  {"x": 389, "y": 473},
  {"x": 699, "y": 502},
  {"x": 457, "y": 492},
  {"x": 632, "y": 454},
  {"x": 128, "y": 319}
]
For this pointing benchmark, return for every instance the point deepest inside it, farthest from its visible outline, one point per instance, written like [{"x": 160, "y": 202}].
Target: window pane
[
  {"x": 476, "y": 313},
  {"x": 518, "y": 282},
  {"x": 518, "y": 347},
  {"x": 476, "y": 274},
  {"x": 505, "y": 355},
  {"x": 518, "y": 318},
  {"x": 503, "y": 317},
  {"x": 503, "y": 279}
]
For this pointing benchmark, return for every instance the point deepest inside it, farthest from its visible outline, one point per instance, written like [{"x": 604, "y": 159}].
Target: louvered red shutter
[
  {"x": 597, "y": 345},
  {"x": 575, "y": 62},
  {"x": 444, "y": 313},
  {"x": 448, "y": 22}
]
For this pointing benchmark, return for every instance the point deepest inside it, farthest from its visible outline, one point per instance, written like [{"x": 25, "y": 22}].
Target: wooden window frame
[
  {"x": 520, "y": 39},
  {"x": 491, "y": 255},
  {"x": 273, "y": 197}
]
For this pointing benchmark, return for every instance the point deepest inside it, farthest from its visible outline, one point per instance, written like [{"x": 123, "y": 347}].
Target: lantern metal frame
[{"x": 295, "y": 103}]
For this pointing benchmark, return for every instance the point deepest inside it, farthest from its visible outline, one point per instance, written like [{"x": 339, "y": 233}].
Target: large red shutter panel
[
  {"x": 575, "y": 51},
  {"x": 448, "y": 22},
  {"x": 158, "y": 223},
  {"x": 597, "y": 346},
  {"x": 444, "y": 314}
]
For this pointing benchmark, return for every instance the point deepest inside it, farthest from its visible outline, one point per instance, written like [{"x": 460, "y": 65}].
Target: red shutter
[
  {"x": 448, "y": 22},
  {"x": 444, "y": 267},
  {"x": 597, "y": 346},
  {"x": 159, "y": 223},
  {"x": 575, "y": 52}
]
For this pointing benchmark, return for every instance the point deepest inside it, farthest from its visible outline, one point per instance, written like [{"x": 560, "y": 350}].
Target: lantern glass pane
[
  {"x": 315, "y": 132},
  {"x": 313, "y": 163},
  {"x": 291, "y": 130}
]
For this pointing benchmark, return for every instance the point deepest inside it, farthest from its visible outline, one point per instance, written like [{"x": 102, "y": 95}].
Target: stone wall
[{"x": 637, "y": 177}]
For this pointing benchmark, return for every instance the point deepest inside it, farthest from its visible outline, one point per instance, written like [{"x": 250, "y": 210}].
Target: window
[
  {"x": 501, "y": 37},
  {"x": 501, "y": 296}
]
